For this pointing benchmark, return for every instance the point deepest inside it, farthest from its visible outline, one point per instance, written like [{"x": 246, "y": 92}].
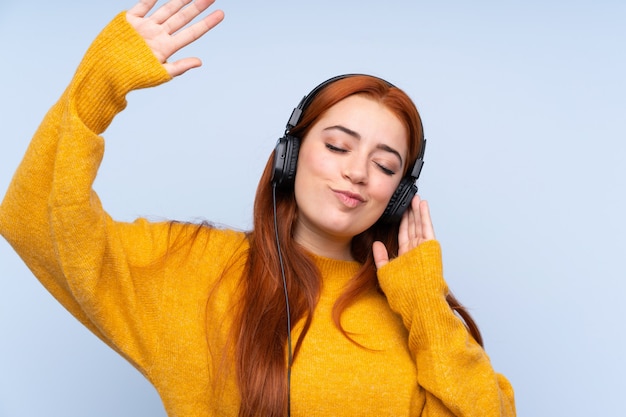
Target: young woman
[{"x": 334, "y": 305}]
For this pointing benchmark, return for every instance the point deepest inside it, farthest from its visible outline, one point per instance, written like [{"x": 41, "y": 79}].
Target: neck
[{"x": 323, "y": 245}]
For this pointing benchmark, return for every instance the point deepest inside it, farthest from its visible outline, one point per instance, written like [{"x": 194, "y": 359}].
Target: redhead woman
[{"x": 334, "y": 304}]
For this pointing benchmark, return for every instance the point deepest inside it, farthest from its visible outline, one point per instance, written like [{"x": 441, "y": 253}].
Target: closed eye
[
  {"x": 384, "y": 169},
  {"x": 334, "y": 148}
]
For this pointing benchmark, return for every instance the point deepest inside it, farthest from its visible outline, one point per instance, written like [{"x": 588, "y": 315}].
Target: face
[{"x": 349, "y": 165}]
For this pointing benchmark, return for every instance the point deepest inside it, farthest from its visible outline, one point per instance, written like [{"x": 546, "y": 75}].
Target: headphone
[{"x": 288, "y": 147}]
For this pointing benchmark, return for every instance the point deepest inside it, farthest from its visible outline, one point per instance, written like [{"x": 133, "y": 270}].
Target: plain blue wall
[{"x": 524, "y": 108}]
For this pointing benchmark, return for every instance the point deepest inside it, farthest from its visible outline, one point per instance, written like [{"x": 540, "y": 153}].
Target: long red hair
[{"x": 261, "y": 323}]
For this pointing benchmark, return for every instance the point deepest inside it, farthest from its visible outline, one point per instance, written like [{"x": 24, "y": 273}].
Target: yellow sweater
[{"x": 164, "y": 302}]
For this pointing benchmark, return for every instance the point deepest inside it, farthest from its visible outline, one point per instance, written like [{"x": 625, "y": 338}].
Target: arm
[
  {"x": 51, "y": 216},
  {"x": 453, "y": 370}
]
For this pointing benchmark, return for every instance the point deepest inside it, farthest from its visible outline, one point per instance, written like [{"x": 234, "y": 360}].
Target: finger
[
  {"x": 381, "y": 256},
  {"x": 187, "y": 14},
  {"x": 410, "y": 234},
  {"x": 195, "y": 31},
  {"x": 181, "y": 66},
  {"x": 417, "y": 220},
  {"x": 142, "y": 8},
  {"x": 428, "y": 231},
  {"x": 168, "y": 10}
]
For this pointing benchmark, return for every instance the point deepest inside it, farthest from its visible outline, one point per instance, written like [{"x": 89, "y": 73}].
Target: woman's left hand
[{"x": 415, "y": 228}]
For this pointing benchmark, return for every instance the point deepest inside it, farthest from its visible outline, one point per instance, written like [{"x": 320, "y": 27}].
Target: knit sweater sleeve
[
  {"x": 453, "y": 370},
  {"x": 102, "y": 271}
]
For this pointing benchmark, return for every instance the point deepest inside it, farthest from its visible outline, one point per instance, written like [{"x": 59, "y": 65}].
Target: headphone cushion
[
  {"x": 286, "y": 161},
  {"x": 400, "y": 201}
]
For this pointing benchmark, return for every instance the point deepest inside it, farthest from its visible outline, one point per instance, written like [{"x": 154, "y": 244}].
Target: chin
[{"x": 346, "y": 231}]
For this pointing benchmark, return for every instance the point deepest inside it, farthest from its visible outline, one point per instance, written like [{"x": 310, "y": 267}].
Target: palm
[
  {"x": 415, "y": 228},
  {"x": 167, "y": 30}
]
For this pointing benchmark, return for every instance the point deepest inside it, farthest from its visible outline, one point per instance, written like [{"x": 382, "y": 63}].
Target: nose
[{"x": 355, "y": 169}]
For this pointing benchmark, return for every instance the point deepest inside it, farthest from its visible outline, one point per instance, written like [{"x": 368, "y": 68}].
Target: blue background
[{"x": 524, "y": 108}]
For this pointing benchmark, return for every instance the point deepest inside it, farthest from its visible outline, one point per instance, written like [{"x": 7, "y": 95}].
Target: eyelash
[
  {"x": 333, "y": 148},
  {"x": 383, "y": 168}
]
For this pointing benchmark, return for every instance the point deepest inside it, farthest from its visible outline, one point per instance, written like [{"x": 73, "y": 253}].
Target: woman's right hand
[
  {"x": 164, "y": 30},
  {"x": 416, "y": 227}
]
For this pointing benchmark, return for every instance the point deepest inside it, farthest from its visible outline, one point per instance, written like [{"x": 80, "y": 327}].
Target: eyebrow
[{"x": 356, "y": 135}]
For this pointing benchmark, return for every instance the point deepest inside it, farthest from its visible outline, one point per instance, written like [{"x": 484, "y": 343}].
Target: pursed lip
[{"x": 349, "y": 198}]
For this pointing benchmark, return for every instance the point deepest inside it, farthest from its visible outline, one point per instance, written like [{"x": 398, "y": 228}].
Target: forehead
[{"x": 370, "y": 118}]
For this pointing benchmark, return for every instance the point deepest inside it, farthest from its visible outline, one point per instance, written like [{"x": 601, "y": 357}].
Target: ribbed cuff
[
  {"x": 117, "y": 62},
  {"x": 414, "y": 281}
]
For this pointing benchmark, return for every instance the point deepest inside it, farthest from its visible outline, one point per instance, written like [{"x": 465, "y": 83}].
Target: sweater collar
[{"x": 335, "y": 273}]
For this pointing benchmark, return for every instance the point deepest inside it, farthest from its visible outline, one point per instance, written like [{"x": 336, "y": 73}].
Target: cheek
[
  {"x": 384, "y": 188},
  {"x": 307, "y": 172},
  {"x": 311, "y": 163}
]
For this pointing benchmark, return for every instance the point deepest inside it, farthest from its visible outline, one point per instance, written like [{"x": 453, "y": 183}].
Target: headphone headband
[{"x": 296, "y": 114}]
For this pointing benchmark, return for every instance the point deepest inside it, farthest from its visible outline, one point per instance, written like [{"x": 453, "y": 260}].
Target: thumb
[
  {"x": 381, "y": 256},
  {"x": 181, "y": 66}
]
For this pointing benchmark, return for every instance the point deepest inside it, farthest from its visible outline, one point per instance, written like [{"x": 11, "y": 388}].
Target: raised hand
[
  {"x": 415, "y": 228},
  {"x": 164, "y": 30}
]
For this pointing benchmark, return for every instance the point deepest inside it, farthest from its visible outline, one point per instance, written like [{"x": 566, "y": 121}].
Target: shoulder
[{"x": 206, "y": 233}]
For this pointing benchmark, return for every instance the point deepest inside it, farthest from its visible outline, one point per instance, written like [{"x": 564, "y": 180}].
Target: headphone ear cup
[
  {"x": 285, "y": 161},
  {"x": 400, "y": 201}
]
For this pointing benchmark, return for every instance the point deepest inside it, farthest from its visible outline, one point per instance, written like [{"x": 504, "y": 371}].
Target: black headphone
[{"x": 288, "y": 147}]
